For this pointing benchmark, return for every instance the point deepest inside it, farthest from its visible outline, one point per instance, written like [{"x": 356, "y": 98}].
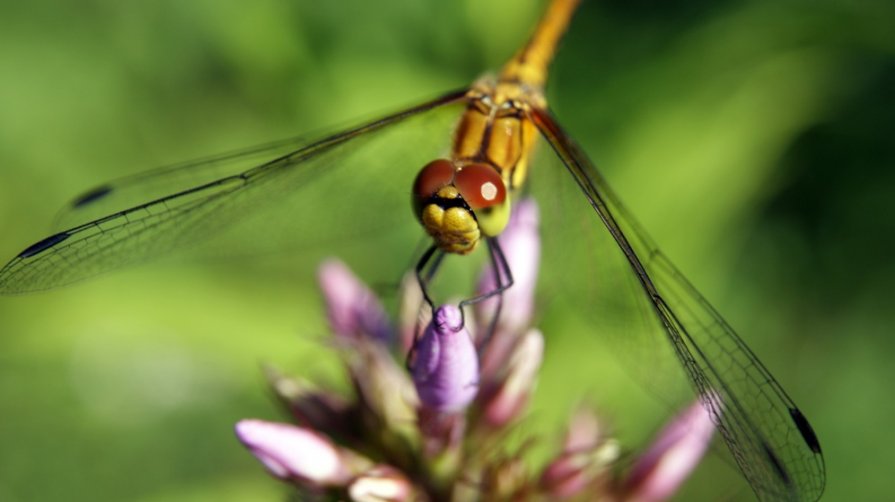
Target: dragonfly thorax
[{"x": 457, "y": 204}]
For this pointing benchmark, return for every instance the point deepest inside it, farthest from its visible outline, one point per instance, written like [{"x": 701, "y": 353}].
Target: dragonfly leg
[
  {"x": 424, "y": 276},
  {"x": 503, "y": 277},
  {"x": 428, "y": 266},
  {"x": 426, "y": 269}
]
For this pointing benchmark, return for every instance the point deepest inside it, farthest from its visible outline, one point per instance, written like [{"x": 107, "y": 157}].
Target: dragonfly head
[{"x": 457, "y": 204}]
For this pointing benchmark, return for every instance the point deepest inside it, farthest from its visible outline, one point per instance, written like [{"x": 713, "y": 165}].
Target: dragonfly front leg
[
  {"x": 503, "y": 278},
  {"x": 428, "y": 266},
  {"x": 426, "y": 269}
]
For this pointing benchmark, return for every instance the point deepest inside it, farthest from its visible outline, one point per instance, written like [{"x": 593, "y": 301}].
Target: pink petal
[
  {"x": 352, "y": 309},
  {"x": 290, "y": 452},
  {"x": 381, "y": 484},
  {"x": 586, "y": 456},
  {"x": 584, "y": 431},
  {"x": 510, "y": 398},
  {"x": 671, "y": 458}
]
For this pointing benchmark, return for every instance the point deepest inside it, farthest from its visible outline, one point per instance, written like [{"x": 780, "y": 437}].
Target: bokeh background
[{"x": 753, "y": 140}]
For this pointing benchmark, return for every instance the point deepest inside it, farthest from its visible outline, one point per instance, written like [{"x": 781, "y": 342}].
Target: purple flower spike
[
  {"x": 290, "y": 452},
  {"x": 521, "y": 245},
  {"x": 446, "y": 368},
  {"x": 352, "y": 309},
  {"x": 668, "y": 462}
]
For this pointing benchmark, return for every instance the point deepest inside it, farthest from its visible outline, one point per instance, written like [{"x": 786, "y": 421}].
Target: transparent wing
[
  {"x": 623, "y": 284},
  {"x": 127, "y": 192},
  {"x": 354, "y": 185}
]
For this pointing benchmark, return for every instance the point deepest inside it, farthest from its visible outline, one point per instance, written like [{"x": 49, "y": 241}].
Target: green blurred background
[{"x": 753, "y": 140}]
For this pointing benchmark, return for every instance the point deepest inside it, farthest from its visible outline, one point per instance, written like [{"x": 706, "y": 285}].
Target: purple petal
[
  {"x": 352, "y": 309},
  {"x": 569, "y": 475},
  {"x": 445, "y": 368},
  {"x": 290, "y": 452},
  {"x": 671, "y": 458},
  {"x": 585, "y": 431},
  {"x": 510, "y": 398}
]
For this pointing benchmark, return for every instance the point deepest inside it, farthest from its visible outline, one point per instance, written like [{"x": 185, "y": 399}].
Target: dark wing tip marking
[
  {"x": 42, "y": 245},
  {"x": 92, "y": 195},
  {"x": 778, "y": 465},
  {"x": 805, "y": 428}
]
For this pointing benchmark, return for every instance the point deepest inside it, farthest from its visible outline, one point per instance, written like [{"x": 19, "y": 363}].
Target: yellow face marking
[
  {"x": 455, "y": 229},
  {"x": 448, "y": 192}
]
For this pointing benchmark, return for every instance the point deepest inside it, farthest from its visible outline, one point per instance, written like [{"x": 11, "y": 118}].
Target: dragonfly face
[
  {"x": 461, "y": 200},
  {"x": 457, "y": 204}
]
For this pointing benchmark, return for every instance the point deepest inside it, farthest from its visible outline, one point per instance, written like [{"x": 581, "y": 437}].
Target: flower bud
[
  {"x": 586, "y": 455},
  {"x": 507, "y": 400},
  {"x": 381, "y": 484},
  {"x": 666, "y": 464},
  {"x": 352, "y": 309},
  {"x": 295, "y": 453},
  {"x": 313, "y": 407},
  {"x": 445, "y": 367}
]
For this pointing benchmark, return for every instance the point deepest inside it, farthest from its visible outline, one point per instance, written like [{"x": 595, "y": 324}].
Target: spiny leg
[
  {"x": 428, "y": 266},
  {"x": 423, "y": 278},
  {"x": 503, "y": 276}
]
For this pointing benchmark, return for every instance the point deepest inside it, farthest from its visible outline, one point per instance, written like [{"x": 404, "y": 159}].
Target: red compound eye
[
  {"x": 433, "y": 176},
  {"x": 480, "y": 185}
]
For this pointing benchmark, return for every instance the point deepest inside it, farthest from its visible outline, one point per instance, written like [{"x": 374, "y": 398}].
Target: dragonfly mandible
[{"x": 477, "y": 146}]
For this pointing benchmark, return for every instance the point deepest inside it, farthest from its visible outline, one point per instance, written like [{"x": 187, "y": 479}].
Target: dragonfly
[{"x": 482, "y": 147}]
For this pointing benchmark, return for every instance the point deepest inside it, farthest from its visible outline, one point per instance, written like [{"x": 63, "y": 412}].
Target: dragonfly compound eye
[
  {"x": 484, "y": 191},
  {"x": 431, "y": 178}
]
